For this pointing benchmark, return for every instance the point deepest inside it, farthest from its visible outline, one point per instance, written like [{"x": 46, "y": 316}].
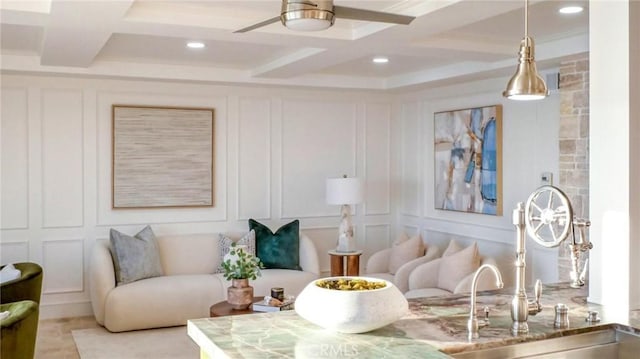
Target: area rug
[{"x": 169, "y": 343}]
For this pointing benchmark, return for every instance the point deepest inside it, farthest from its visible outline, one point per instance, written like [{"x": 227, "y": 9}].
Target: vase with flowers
[{"x": 239, "y": 266}]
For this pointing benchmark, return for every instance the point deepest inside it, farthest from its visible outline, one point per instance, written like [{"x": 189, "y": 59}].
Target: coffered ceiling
[{"x": 448, "y": 42}]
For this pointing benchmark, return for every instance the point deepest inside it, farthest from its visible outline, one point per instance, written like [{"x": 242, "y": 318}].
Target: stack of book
[{"x": 262, "y": 306}]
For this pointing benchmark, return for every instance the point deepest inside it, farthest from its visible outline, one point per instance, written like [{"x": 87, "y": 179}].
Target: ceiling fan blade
[
  {"x": 260, "y": 24},
  {"x": 368, "y": 15}
]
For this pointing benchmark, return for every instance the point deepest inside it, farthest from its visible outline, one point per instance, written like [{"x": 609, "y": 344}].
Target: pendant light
[{"x": 526, "y": 83}]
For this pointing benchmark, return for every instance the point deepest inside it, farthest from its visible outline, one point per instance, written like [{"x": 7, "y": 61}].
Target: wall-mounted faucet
[
  {"x": 472, "y": 323},
  {"x": 548, "y": 225}
]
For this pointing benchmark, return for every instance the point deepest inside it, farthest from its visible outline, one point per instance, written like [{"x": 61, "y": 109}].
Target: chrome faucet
[
  {"x": 472, "y": 323},
  {"x": 577, "y": 246},
  {"x": 548, "y": 223},
  {"x": 521, "y": 308}
]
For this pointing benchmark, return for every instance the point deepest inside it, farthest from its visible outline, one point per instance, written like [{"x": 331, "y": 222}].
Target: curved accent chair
[
  {"x": 21, "y": 297},
  {"x": 393, "y": 264},
  {"x": 450, "y": 274}
]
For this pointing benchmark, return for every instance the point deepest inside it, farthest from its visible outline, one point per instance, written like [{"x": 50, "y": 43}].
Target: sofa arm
[
  {"x": 401, "y": 279},
  {"x": 308, "y": 255},
  {"x": 102, "y": 278},
  {"x": 425, "y": 275},
  {"x": 379, "y": 262},
  {"x": 486, "y": 281}
]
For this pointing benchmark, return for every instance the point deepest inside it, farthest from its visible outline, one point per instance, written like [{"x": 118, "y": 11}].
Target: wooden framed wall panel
[{"x": 162, "y": 157}]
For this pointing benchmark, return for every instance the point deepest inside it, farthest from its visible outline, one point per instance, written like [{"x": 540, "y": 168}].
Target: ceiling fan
[{"x": 314, "y": 15}]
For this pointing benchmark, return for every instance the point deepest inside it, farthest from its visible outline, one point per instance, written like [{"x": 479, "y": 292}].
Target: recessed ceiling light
[
  {"x": 380, "y": 60},
  {"x": 570, "y": 10},
  {"x": 195, "y": 45}
]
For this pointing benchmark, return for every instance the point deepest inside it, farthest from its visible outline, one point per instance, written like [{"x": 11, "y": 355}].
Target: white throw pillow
[
  {"x": 453, "y": 247},
  {"x": 9, "y": 273},
  {"x": 248, "y": 240},
  {"x": 405, "y": 251},
  {"x": 456, "y": 266}
]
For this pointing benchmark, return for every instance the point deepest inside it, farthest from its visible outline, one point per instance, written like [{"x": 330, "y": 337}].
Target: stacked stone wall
[{"x": 574, "y": 145}]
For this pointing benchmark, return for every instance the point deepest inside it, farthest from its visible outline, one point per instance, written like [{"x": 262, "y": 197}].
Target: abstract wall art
[
  {"x": 468, "y": 160},
  {"x": 162, "y": 157}
]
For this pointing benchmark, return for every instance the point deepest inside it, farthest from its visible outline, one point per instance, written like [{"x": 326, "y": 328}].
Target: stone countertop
[{"x": 434, "y": 327}]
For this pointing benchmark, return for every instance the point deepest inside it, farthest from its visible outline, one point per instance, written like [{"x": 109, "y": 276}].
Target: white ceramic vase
[{"x": 351, "y": 311}]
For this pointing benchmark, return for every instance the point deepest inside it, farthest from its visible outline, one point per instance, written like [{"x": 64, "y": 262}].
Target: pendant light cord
[{"x": 526, "y": 18}]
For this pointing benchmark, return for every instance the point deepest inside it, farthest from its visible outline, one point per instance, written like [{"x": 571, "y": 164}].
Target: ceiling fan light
[
  {"x": 526, "y": 83},
  {"x": 302, "y": 16},
  {"x": 307, "y": 24}
]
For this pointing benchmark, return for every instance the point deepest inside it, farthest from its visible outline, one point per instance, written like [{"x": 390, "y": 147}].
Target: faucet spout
[{"x": 472, "y": 323}]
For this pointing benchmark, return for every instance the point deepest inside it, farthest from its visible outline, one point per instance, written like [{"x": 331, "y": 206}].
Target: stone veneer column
[{"x": 574, "y": 145}]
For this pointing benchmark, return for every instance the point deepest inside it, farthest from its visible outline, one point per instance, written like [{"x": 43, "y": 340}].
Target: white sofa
[{"x": 189, "y": 286}]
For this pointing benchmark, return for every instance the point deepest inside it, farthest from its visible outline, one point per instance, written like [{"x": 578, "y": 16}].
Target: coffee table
[{"x": 223, "y": 309}]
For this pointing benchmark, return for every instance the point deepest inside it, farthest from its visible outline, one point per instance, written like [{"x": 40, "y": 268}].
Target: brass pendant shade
[{"x": 526, "y": 83}]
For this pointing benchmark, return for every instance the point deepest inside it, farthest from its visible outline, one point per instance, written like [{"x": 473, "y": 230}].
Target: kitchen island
[{"x": 433, "y": 328}]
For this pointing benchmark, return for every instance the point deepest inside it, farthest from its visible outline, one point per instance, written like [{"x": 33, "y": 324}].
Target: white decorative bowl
[{"x": 356, "y": 311}]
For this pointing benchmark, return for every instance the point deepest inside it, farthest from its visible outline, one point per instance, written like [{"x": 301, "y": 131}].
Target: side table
[
  {"x": 337, "y": 263},
  {"x": 223, "y": 309}
]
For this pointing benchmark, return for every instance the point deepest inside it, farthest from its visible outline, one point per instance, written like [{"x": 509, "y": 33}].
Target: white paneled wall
[
  {"x": 377, "y": 161},
  {"x": 529, "y": 147},
  {"x": 15, "y": 159},
  {"x": 274, "y": 148},
  {"x": 62, "y": 172}
]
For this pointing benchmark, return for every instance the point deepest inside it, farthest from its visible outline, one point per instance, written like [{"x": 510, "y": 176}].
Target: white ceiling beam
[
  {"x": 95, "y": 20},
  {"x": 275, "y": 68},
  {"x": 468, "y": 44},
  {"x": 545, "y": 52}
]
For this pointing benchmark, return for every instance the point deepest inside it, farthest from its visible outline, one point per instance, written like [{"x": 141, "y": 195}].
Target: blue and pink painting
[{"x": 468, "y": 160}]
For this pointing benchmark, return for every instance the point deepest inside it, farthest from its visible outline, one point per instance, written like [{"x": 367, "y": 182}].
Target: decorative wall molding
[
  {"x": 105, "y": 215},
  {"x": 243, "y": 131},
  {"x": 63, "y": 260},
  {"x": 318, "y": 174},
  {"x": 14, "y": 252},
  {"x": 62, "y": 165},
  {"x": 410, "y": 159},
  {"x": 369, "y": 158},
  {"x": 15, "y": 203}
]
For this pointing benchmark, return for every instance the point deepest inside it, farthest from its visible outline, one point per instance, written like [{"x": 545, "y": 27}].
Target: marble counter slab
[{"x": 434, "y": 328}]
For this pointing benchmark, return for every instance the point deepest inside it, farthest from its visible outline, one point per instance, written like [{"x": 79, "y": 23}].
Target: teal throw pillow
[
  {"x": 136, "y": 257},
  {"x": 280, "y": 250}
]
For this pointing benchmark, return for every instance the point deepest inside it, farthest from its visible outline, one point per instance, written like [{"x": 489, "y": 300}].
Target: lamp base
[{"x": 346, "y": 244}]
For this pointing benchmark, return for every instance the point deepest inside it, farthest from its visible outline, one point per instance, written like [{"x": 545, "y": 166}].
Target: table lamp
[{"x": 345, "y": 191}]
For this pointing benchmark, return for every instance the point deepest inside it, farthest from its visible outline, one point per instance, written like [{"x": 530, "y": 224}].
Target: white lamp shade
[{"x": 344, "y": 191}]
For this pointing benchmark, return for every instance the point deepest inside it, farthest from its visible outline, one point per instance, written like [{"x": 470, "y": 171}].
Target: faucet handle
[
  {"x": 537, "y": 290},
  {"x": 536, "y": 307}
]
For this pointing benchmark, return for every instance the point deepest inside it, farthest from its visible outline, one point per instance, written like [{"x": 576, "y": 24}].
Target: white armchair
[
  {"x": 381, "y": 265},
  {"x": 450, "y": 274}
]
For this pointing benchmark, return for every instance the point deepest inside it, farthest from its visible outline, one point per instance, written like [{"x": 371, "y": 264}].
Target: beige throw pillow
[
  {"x": 405, "y": 251},
  {"x": 453, "y": 247},
  {"x": 455, "y": 267}
]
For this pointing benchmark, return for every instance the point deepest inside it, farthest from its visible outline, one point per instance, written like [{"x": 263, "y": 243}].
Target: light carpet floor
[{"x": 169, "y": 343}]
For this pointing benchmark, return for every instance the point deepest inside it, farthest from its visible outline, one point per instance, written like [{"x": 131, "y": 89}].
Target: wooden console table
[{"x": 337, "y": 263}]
